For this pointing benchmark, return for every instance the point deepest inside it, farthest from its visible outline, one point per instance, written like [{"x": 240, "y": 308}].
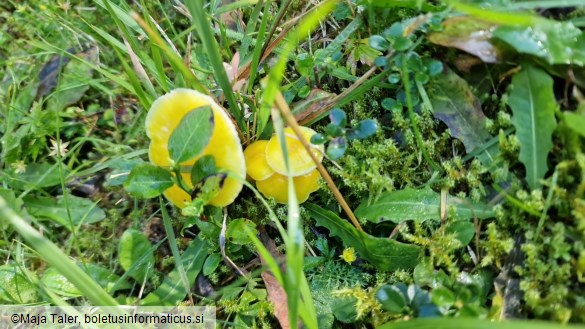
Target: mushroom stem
[{"x": 291, "y": 122}]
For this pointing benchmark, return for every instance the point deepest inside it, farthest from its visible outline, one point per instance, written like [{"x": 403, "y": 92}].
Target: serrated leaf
[
  {"x": 148, "y": 181},
  {"x": 531, "y": 98},
  {"x": 81, "y": 210},
  {"x": 383, "y": 253},
  {"x": 135, "y": 255},
  {"x": 418, "y": 205},
  {"x": 454, "y": 103},
  {"x": 192, "y": 134}
]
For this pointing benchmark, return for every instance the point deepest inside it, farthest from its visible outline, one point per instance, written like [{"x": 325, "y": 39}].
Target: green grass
[{"x": 448, "y": 141}]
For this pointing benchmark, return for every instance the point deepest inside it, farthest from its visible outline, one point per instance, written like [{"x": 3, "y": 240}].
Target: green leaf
[
  {"x": 472, "y": 323},
  {"x": 463, "y": 230},
  {"x": 531, "y": 98},
  {"x": 418, "y": 205},
  {"x": 15, "y": 288},
  {"x": 363, "y": 129},
  {"x": 344, "y": 308},
  {"x": 236, "y": 233},
  {"x": 36, "y": 175},
  {"x": 172, "y": 291},
  {"x": 336, "y": 148},
  {"x": 192, "y": 134},
  {"x": 383, "y": 253},
  {"x": 57, "y": 283},
  {"x": 82, "y": 211},
  {"x": 135, "y": 255},
  {"x": 148, "y": 181},
  {"x": 454, "y": 103},
  {"x": 203, "y": 168},
  {"x": 211, "y": 263},
  {"x": 576, "y": 122},
  {"x": 443, "y": 297},
  {"x": 106, "y": 278},
  {"x": 378, "y": 42},
  {"x": 391, "y": 299},
  {"x": 556, "y": 42}
]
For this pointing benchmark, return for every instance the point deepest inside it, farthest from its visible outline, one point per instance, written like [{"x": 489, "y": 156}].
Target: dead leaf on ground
[
  {"x": 276, "y": 294},
  {"x": 470, "y": 35},
  {"x": 311, "y": 107},
  {"x": 50, "y": 72}
]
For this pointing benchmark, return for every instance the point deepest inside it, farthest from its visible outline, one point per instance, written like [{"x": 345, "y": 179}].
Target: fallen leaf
[
  {"x": 454, "y": 103},
  {"x": 470, "y": 35},
  {"x": 311, "y": 107},
  {"x": 276, "y": 294},
  {"x": 50, "y": 72}
]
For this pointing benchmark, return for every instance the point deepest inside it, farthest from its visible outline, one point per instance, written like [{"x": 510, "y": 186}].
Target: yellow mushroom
[
  {"x": 256, "y": 165},
  {"x": 276, "y": 186},
  {"x": 265, "y": 164},
  {"x": 165, "y": 115},
  {"x": 300, "y": 161}
]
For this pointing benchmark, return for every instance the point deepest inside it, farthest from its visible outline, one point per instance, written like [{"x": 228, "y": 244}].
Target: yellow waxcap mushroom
[
  {"x": 276, "y": 186},
  {"x": 165, "y": 115},
  {"x": 300, "y": 161},
  {"x": 256, "y": 165}
]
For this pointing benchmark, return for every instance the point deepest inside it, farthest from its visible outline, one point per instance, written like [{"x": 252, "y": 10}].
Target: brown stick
[{"x": 291, "y": 122}]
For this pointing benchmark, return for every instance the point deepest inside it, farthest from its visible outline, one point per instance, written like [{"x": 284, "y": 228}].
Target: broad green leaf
[
  {"x": 473, "y": 323},
  {"x": 235, "y": 231},
  {"x": 383, "y": 253},
  {"x": 57, "y": 283},
  {"x": 82, "y": 211},
  {"x": 171, "y": 291},
  {"x": 391, "y": 299},
  {"x": 36, "y": 175},
  {"x": 531, "y": 98},
  {"x": 556, "y": 42},
  {"x": 148, "y": 181},
  {"x": 106, "y": 278},
  {"x": 418, "y": 205},
  {"x": 576, "y": 122},
  {"x": 135, "y": 255},
  {"x": 454, "y": 103},
  {"x": 15, "y": 288},
  {"x": 443, "y": 297},
  {"x": 192, "y": 134},
  {"x": 463, "y": 230}
]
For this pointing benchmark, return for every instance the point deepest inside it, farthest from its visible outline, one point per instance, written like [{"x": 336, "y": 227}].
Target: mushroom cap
[
  {"x": 256, "y": 165},
  {"x": 300, "y": 161},
  {"x": 165, "y": 115},
  {"x": 276, "y": 186}
]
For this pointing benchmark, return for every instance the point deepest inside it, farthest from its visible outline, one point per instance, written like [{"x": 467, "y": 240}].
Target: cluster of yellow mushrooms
[{"x": 262, "y": 160}]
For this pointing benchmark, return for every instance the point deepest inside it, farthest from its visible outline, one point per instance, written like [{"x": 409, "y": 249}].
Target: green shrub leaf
[
  {"x": 418, "y": 205},
  {"x": 532, "y": 101},
  {"x": 135, "y": 255},
  {"x": 192, "y": 134},
  {"x": 383, "y": 253},
  {"x": 81, "y": 210},
  {"x": 148, "y": 181}
]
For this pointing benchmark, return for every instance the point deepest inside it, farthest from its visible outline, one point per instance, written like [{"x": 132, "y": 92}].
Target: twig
[{"x": 291, "y": 122}]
